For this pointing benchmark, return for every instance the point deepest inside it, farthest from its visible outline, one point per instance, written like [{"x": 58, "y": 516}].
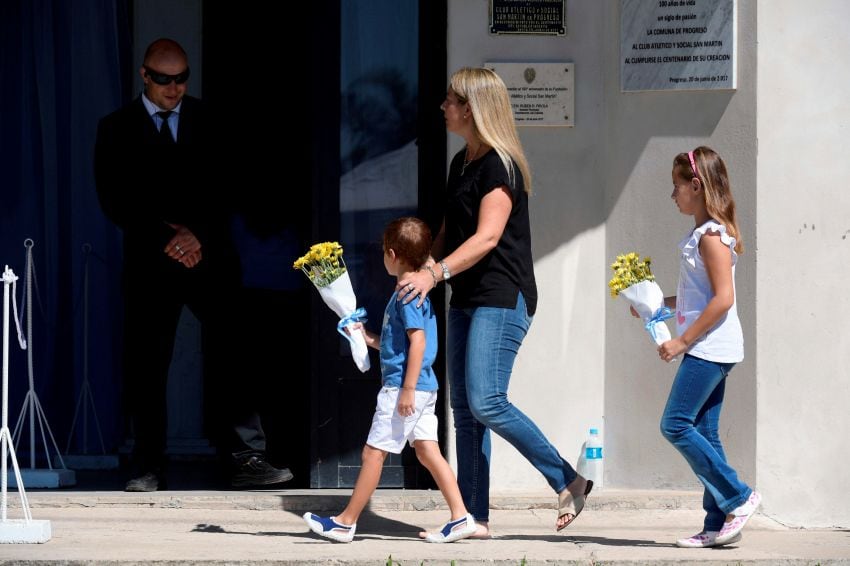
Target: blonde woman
[{"x": 484, "y": 247}]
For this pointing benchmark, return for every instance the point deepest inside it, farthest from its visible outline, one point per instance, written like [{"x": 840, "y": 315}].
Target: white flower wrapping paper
[
  {"x": 339, "y": 296},
  {"x": 647, "y": 298}
]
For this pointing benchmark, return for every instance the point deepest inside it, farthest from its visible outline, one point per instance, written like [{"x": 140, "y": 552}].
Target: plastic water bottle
[{"x": 593, "y": 458}]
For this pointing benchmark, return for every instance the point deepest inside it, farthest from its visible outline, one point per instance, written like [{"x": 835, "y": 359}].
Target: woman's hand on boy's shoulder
[{"x": 415, "y": 285}]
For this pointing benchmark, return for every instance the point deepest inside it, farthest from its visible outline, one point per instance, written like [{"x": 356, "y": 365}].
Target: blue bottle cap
[{"x": 594, "y": 431}]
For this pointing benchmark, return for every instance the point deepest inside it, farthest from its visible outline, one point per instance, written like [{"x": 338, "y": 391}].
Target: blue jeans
[
  {"x": 690, "y": 423},
  {"x": 482, "y": 345}
]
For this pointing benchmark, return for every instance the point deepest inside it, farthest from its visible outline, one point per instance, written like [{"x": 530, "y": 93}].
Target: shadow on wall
[
  {"x": 639, "y": 214},
  {"x": 579, "y": 200},
  {"x": 612, "y": 172}
]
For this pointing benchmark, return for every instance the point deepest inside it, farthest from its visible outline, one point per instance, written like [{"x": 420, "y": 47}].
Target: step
[
  {"x": 320, "y": 500},
  {"x": 248, "y": 528}
]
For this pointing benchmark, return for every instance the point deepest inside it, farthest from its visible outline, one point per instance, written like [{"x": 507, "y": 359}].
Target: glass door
[{"x": 378, "y": 78}]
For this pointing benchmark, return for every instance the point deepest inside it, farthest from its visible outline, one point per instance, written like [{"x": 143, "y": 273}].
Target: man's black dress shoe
[
  {"x": 148, "y": 482},
  {"x": 256, "y": 472}
]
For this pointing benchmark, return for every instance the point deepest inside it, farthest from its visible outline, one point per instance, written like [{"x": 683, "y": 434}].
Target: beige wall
[
  {"x": 804, "y": 244},
  {"x": 603, "y": 187}
]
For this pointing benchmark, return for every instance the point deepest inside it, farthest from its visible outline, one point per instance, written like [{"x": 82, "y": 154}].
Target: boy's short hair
[{"x": 409, "y": 238}]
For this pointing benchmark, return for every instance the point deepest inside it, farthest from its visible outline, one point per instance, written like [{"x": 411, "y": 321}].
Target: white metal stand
[
  {"x": 85, "y": 401},
  {"x": 34, "y": 477},
  {"x": 26, "y": 529}
]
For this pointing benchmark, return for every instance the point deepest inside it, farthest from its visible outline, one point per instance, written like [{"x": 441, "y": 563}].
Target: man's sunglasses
[{"x": 163, "y": 79}]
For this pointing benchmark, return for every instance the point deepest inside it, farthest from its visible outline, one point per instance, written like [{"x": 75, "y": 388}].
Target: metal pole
[
  {"x": 8, "y": 277},
  {"x": 28, "y": 244}
]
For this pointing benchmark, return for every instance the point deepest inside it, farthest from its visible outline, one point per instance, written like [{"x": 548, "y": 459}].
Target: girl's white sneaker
[
  {"x": 704, "y": 539},
  {"x": 740, "y": 516}
]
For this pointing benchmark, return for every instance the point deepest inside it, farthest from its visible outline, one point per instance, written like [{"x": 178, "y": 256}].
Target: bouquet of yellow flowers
[
  {"x": 325, "y": 268},
  {"x": 633, "y": 280}
]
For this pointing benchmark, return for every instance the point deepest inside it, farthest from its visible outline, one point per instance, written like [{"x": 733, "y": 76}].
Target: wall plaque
[
  {"x": 542, "y": 94},
  {"x": 678, "y": 44},
  {"x": 533, "y": 17}
]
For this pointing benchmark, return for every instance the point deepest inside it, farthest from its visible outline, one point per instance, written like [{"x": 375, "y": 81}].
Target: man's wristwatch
[{"x": 446, "y": 273}]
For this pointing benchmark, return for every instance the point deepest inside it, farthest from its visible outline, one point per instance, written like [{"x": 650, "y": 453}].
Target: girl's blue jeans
[
  {"x": 690, "y": 422},
  {"x": 482, "y": 345}
]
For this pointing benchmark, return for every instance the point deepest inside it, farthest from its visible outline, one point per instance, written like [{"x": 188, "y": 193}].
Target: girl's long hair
[
  {"x": 711, "y": 172},
  {"x": 493, "y": 118}
]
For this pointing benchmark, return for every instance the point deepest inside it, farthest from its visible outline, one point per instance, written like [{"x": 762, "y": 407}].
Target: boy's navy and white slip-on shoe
[
  {"x": 454, "y": 530},
  {"x": 328, "y": 528}
]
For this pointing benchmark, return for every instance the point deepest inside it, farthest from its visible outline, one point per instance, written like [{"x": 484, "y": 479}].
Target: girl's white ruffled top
[{"x": 725, "y": 341}]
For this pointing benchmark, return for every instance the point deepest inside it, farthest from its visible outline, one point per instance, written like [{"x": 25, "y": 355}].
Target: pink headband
[{"x": 693, "y": 164}]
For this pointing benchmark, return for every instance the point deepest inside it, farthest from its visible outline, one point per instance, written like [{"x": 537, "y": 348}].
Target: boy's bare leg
[
  {"x": 428, "y": 452},
  {"x": 367, "y": 482}
]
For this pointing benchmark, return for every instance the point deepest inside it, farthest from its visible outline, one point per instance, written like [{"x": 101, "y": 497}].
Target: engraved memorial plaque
[
  {"x": 678, "y": 44},
  {"x": 542, "y": 94}
]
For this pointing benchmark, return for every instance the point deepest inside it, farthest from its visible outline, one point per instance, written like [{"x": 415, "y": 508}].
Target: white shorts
[{"x": 390, "y": 430}]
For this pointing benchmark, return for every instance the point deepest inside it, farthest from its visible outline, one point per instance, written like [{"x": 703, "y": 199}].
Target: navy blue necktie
[{"x": 165, "y": 134}]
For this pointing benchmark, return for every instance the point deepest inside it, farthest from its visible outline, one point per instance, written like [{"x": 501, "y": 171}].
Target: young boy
[{"x": 405, "y": 410}]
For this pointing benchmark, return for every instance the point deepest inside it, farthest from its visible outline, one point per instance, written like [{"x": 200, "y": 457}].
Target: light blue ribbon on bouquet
[
  {"x": 660, "y": 315},
  {"x": 357, "y": 316}
]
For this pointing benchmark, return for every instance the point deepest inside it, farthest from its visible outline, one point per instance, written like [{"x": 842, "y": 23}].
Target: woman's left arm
[
  {"x": 717, "y": 258},
  {"x": 493, "y": 216}
]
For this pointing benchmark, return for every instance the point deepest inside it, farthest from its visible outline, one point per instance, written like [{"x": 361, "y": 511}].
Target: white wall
[
  {"x": 804, "y": 245},
  {"x": 558, "y": 379},
  {"x": 603, "y": 188}
]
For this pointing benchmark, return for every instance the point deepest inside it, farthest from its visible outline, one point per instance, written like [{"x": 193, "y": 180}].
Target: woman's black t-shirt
[{"x": 507, "y": 269}]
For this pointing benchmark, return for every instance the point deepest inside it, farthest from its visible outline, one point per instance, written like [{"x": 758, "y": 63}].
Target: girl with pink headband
[{"x": 710, "y": 342}]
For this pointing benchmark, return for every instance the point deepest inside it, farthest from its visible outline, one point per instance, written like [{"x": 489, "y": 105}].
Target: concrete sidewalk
[{"x": 265, "y": 527}]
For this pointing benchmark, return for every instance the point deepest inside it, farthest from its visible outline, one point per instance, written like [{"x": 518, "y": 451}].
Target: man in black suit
[{"x": 157, "y": 160}]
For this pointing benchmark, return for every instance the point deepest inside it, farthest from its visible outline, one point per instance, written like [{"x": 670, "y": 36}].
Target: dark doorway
[
  {"x": 369, "y": 146},
  {"x": 245, "y": 52}
]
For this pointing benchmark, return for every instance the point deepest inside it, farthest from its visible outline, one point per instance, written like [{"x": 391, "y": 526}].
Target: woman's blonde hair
[
  {"x": 710, "y": 169},
  {"x": 493, "y": 119}
]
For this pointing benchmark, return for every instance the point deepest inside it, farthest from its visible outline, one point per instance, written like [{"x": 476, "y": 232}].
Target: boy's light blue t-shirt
[{"x": 398, "y": 318}]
